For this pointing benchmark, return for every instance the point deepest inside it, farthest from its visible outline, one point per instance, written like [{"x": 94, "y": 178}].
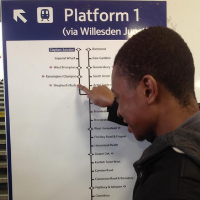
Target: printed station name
[
  {"x": 109, "y": 187},
  {"x": 102, "y": 195},
  {"x": 99, "y": 111},
  {"x": 95, "y": 85},
  {"x": 65, "y": 58},
  {"x": 101, "y": 67},
  {"x": 65, "y": 85},
  {"x": 105, "y": 145},
  {"x": 61, "y": 76},
  {"x": 103, "y": 170},
  {"x": 109, "y": 136},
  {"x": 61, "y": 49},
  {"x": 100, "y": 120},
  {"x": 64, "y": 67},
  {"x": 114, "y": 178},
  {"x": 104, "y": 128},
  {"x": 99, "y": 76},
  {"x": 95, "y": 31},
  {"x": 102, "y": 154},
  {"x": 108, "y": 162}
]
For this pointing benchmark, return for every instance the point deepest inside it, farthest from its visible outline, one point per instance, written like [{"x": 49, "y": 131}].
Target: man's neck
[{"x": 173, "y": 115}]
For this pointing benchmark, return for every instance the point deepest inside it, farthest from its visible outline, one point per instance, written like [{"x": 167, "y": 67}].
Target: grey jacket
[{"x": 165, "y": 174}]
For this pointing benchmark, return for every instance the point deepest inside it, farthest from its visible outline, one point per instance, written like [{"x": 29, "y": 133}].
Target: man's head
[
  {"x": 155, "y": 60},
  {"x": 163, "y": 54}
]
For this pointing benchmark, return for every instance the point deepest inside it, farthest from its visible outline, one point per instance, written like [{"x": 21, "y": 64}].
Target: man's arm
[
  {"x": 112, "y": 115},
  {"x": 103, "y": 97}
]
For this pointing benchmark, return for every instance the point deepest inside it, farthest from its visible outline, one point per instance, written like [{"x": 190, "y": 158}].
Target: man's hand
[{"x": 100, "y": 96}]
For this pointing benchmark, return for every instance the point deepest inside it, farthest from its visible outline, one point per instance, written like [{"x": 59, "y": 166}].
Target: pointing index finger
[{"x": 83, "y": 88}]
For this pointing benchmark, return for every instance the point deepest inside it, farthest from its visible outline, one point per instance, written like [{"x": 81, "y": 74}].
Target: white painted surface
[
  {"x": 183, "y": 16},
  {"x": 56, "y": 139}
]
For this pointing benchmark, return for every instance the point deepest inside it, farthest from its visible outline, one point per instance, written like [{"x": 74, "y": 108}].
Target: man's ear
[{"x": 150, "y": 88}]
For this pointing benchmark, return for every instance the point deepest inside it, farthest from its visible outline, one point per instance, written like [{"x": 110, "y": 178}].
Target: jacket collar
[{"x": 186, "y": 138}]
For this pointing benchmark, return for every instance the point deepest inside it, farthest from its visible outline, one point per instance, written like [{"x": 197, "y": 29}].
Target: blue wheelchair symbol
[{"x": 45, "y": 14}]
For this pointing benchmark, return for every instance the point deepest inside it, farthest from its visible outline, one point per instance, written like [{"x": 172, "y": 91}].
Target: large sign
[{"x": 60, "y": 145}]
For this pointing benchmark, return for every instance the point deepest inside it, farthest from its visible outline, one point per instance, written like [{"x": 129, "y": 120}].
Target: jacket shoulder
[{"x": 168, "y": 175}]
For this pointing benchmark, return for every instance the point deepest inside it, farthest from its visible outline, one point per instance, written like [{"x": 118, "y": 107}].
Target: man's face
[{"x": 132, "y": 106}]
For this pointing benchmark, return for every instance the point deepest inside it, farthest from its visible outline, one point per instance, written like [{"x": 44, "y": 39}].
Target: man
[{"x": 153, "y": 84}]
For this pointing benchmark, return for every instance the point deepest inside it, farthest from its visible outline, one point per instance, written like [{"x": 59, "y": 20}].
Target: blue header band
[{"x": 79, "y": 20}]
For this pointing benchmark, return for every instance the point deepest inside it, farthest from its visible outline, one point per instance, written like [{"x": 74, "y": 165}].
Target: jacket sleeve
[{"x": 112, "y": 115}]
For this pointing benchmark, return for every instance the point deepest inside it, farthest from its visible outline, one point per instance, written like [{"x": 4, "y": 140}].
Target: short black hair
[{"x": 162, "y": 53}]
